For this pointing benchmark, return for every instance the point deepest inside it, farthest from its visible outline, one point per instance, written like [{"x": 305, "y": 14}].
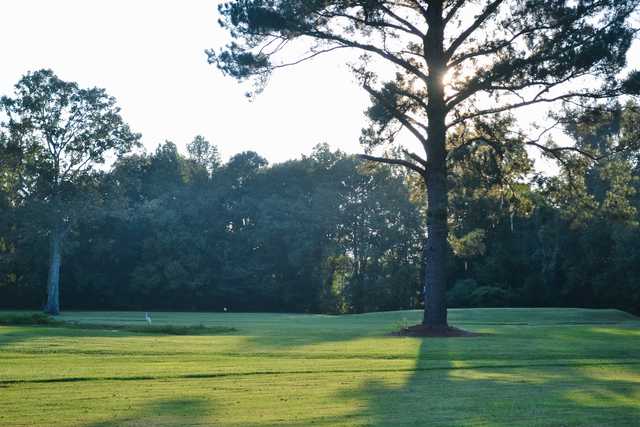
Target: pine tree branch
[{"x": 397, "y": 162}]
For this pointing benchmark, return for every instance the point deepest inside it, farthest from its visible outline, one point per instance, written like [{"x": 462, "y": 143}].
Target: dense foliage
[
  {"x": 329, "y": 233},
  {"x": 174, "y": 232}
]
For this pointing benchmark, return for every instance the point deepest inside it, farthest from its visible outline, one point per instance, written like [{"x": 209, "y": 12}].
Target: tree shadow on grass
[
  {"x": 13, "y": 334},
  {"x": 41, "y": 347},
  {"x": 10, "y": 335},
  {"x": 300, "y": 331},
  {"x": 171, "y": 412},
  {"x": 461, "y": 394}
]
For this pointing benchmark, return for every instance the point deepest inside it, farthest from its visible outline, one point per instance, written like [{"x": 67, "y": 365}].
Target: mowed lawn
[{"x": 534, "y": 367}]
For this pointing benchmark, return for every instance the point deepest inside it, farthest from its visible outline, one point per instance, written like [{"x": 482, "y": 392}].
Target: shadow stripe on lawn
[
  {"x": 15, "y": 353},
  {"x": 5, "y": 383}
]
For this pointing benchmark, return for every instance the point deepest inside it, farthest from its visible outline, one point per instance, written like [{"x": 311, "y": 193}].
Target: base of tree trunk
[
  {"x": 51, "y": 312},
  {"x": 435, "y": 331}
]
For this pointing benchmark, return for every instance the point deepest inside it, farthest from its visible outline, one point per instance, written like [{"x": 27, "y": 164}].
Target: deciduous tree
[{"x": 62, "y": 131}]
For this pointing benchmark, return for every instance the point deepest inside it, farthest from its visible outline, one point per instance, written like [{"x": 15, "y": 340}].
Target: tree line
[{"x": 327, "y": 233}]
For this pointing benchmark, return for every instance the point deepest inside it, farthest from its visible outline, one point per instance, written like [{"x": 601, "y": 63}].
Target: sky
[{"x": 149, "y": 55}]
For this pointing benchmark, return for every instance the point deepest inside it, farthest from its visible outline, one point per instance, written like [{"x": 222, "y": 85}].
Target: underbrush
[
  {"x": 40, "y": 319},
  {"x": 159, "y": 329},
  {"x": 29, "y": 320}
]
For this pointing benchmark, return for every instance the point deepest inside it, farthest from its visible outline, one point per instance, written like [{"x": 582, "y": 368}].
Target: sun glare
[{"x": 447, "y": 79}]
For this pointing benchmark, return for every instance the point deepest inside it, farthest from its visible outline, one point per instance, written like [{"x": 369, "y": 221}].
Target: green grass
[{"x": 535, "y": 367}]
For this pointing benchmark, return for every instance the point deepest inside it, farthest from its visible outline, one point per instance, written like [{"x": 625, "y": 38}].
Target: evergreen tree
[{"x": 459, "y": 63}]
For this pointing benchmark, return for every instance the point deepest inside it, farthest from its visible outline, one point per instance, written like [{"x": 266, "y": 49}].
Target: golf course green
[{"x": 530, "y": 367}]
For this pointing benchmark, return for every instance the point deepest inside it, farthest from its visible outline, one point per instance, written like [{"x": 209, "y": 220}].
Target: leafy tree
[
  {"x": 379, "y": 232},
  {"x": 203, "y": 154},
  {"x": 561, "y": 239},
  {"x": 62, "y": 131},
  {"x": 458, "y": 63},
  {"x": 596, "y": 196}
]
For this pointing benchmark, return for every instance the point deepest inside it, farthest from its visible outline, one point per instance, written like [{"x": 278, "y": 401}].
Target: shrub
[
  {"x": 491, "y": 296},
  {"x": 461, "y": 293},
  {"x": 28, "y": 319}
]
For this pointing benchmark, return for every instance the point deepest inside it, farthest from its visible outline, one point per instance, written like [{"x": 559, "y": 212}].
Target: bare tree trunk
[
  {"x": 436, "y": 247},
  {"x": 435, "y": 307},
  {"x": 53, "y": 280}
]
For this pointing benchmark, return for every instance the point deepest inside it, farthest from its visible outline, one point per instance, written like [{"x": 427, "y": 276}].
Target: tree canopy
[{"x": 58, "y": 132}]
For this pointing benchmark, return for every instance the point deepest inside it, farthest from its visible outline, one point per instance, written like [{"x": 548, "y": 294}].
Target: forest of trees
[{"x": 329, "y": 232}]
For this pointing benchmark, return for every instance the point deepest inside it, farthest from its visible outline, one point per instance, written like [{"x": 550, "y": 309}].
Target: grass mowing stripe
[{"x": 316, "y": 372}]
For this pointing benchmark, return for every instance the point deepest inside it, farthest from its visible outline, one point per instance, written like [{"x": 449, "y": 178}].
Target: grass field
[{"x": 536, "y": 367}]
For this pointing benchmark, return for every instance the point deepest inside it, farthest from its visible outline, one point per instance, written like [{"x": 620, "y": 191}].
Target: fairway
[{"x": 535, "y": 367}]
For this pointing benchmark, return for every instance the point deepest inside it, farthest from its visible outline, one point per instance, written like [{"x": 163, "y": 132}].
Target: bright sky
[{"x": 149, "y": 54}]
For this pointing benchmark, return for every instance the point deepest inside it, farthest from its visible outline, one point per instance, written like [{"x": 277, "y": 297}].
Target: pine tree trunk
[
  {"x": 53, "y": 280},
  {"x": 435, "y": 254},
  {"x": 435, "y": 314}
]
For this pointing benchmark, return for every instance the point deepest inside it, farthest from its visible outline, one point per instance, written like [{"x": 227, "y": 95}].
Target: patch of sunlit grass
[
  {"x": 602, "y": 397},
  {"x": 622, "y": 332},
  {"x": 465, "y": 371},
  {"x": 612, "y": 373}
]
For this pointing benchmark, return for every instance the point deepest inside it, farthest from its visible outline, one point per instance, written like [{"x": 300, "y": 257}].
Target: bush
[
  {"x": 468, "y": 293},
  {"x": 461, "y": 293},
  {"x": 43, "y": 319},
  {"x": 491, "y": 296},
  {"x": 155, "y": 329},
  {"x": 28, "y": 319}
]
